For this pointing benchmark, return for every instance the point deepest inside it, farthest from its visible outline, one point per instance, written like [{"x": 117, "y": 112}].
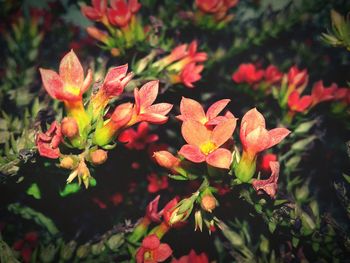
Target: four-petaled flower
[
  {"x": 192, "y": 110},
  {"x": 204, "y": 144},
  {"x": 144, "y": 109},
  {"x": 48, "y": 142},
  {"x": 69, "y": 85},
  {"x": 272, "y": 74},
  {"x": 152, "y": 251},
  {"x": 97, "y": 11}
]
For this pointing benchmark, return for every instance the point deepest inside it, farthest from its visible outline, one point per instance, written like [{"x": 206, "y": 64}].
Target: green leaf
[
  {"x": 34, "y": 191},
  {"x": 272, "y": 226},
  {"x": 295, "y": 241},
  {"x": 70, "y": 189}
]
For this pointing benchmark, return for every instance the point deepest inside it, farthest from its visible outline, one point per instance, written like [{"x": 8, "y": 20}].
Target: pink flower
[
  {"x": 152, "y": 251},
  {"x": 192, "y": 257},
  {"x": 297, "y": 77},
  {"x": 138, "y": 139},
  {"x": 204, "y": 144},
  {"x": 121, "y": 12},
  {"x": 269, "y": 186},
  {"x": 320, "y": 93},
  {"x": 156, "y": 183},
  {"x": 144, "y": 109},
  {"x": 272, "y": 74},
  {"x": 247, "y": 73},
  {"x": 152, "y": 212},
  {"x": 95, "y": 12},
  {"x": 192, "y": 110},
  {"x": 297, "y": 103},
  {"x": 48, "y": 142},
  {"x": 191, "y": 74},
  {"x": 69, "y": 84},
  {"x": 254, "y": 136}
]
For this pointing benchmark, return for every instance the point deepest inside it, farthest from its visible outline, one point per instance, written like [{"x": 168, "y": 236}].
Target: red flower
[
  {"x": 192, "y": 257},
  {"x": 26, "y": 245},
  {"x": 297, "y": 77},
  {"x": 115, "y": 81},
  {"x": 247, "y": 73},
  {"x": 192, "y": 110},
  {"x": 95, "y": 12},
  {"x": 265, "y": 161},
  {"x": 69, "y": 84},
  {"x": 297, "y": 103},
  {"x": 254, "y": 136},
  {"x": 320, "y": 93},
  {"x": 152, "y": 210},
  {"x": 168, "y": 211},
  {"x": 48, "y": 142},
  {"x": 191, "y": 74},
  {"x": 204, "y": 144},
  {"x": 144, "y": 110},
  {"x": 156, "y": 184},
  {"x": 269, "y": 185},
  {"x": 137, "y": 139},
  {"x": 272, "y": 74},
  {"x": 116, "y": 199},
  {"x": 152, "y": 251},
  {"x": 121, "y": 12},
  {"x": 209, "y": 6}
]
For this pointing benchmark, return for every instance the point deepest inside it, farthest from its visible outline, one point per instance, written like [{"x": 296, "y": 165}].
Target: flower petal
[
  {"x": 277, "y": 135},
  {"x": 220, "y": 158},
  {"x": 71, "y": 71},
  {"x": 192, "y": 153},
  {"x": 148, "y": 93},
  {"x": 257, "y": 140},
  {"x": 160, "y": 108},
  {"x": 195, "y": 133},
  {"x": 52, "y": 82},
  {"x": 162, "y": 252},
  {"x": 192, "y": 110},
  {"x": 151, "y": 242},
  {"x": 223, "y": 131},
  {"x": 215, "y": 109}
]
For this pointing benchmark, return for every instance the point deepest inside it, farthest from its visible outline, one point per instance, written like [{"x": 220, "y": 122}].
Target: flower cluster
[
  {"x": 288, "y": 88},
  {"x": 182, "y": 65},
  {"x": 85, "y": 127},
  {"x": 124, "y": 28},
  {"x": 209, "y": 139}
]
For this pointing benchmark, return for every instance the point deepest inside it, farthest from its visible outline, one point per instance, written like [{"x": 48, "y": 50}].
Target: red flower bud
[{"x": 98, "y": 157}]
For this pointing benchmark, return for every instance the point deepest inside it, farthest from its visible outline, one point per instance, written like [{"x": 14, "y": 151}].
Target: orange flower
[
  {"x": 152, "y": 251},
  {"x": 69, "y": 85},
  {"x": 192, "y": 257},
  {"x": 112, "y": 86},
  {"x": 204, "y": 144},
  {"x": 269, "y": 185},
  {"x": 144, "y": 109},
  {"x": 97, "y": 11},
  {"x": 255, "y": 138},
  {"x": 297, "y": 103},
  {"x": 320, "y": 93},
  {"x": 121, "y": 12},
  {"x": 192, "y": 110},
  {"x": 167, "y": 160}
]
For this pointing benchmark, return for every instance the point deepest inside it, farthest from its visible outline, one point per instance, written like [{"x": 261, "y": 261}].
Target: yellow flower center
[
  {"x": 207, "y": 147},
  {"x": 148, "y": 255},
  {"x": 72, "y": 89}
]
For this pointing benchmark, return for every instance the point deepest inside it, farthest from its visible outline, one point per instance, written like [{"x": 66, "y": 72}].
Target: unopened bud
[
  {"x": 208, "y": 203},
  {"x": 98, "y": 157},
  {"x": 166, "y": 159},
  {"x": 83, "y": 251},
  {"x": 69, "y": 127},
  {"x": 67, "y": 250},
  {"x": 67, "y": 162}
]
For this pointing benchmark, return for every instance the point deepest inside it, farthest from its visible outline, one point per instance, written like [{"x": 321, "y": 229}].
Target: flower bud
[
  {"x": 69, "y": 127},
  {"x": 67, "y": 162},
  {"x": 166, "y": 159},
  {"x": 98, "y": 157},
  {"x": 67, "y": 250},
  {"x": 83, "y": 251},
  {"x": 208, "y": 203}
]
